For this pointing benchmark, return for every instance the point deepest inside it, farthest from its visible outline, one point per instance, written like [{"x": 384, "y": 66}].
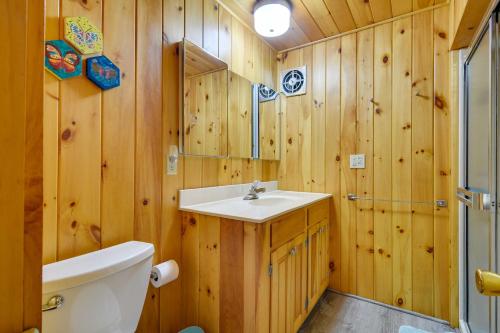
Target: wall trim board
[{"x": 410, "y": 14}]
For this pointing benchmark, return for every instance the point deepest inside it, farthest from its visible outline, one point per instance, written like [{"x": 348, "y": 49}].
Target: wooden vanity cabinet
[{"x": 249, "y": 277}]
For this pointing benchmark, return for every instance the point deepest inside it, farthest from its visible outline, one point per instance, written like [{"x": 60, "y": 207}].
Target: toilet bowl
[{"x": 99, "y": 292}]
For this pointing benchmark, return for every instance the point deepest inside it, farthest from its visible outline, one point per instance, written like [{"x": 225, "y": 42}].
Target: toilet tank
[{"x": 103, "y": 291}]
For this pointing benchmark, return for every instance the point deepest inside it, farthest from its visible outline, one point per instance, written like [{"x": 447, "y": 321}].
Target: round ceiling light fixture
[{"x": 271, "y": 17}]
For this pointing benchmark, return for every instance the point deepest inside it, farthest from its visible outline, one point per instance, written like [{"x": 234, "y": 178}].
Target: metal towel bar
[{"x": 438, "y": 203}]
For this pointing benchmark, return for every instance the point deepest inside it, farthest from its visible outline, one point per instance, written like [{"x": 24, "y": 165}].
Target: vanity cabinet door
[
  {"x": 318, "y": 261},
  {"x": 298, "y": 276},
  {"x": 289, "y": 286}
]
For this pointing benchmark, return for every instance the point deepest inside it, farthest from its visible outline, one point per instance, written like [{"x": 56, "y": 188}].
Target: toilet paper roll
[{"x": 164, "y": 273}]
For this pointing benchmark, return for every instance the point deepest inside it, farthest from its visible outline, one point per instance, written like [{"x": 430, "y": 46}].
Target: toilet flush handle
[{"x": 53, "y": 303}]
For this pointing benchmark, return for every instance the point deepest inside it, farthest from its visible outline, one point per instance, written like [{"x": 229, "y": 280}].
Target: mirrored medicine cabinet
[{"x": 223, "y": 114}]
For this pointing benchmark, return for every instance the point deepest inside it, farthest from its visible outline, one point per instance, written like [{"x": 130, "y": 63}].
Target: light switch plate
[
  {"x": 357, "y": 161},
  {"x": 172, "y": 158}
]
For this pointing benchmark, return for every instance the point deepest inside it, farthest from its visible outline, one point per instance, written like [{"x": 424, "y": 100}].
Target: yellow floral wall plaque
[{"x": 83, "y": 35}]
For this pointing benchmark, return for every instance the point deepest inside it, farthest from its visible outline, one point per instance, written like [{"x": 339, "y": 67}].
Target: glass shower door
[{"x": 480, "y": 157}]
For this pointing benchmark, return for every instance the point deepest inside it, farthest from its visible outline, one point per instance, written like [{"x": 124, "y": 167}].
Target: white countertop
[{"x": 269, "y": 205}]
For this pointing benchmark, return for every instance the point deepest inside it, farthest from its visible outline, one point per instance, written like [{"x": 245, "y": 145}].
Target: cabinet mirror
[{"x": 204, "y": 111}]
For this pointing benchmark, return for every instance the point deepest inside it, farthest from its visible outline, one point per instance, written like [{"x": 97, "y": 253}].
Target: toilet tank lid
[{"x": 92, "y": 266}]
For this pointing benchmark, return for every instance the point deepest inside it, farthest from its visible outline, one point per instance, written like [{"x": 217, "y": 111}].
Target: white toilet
[{"x": 101, "y": 292}]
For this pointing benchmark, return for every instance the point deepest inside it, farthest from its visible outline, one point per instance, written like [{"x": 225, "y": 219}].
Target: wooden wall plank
[
  {"x": 332, "y": 154},
  {"x": 50, "y": 143},
  {"x": 148, "y": 159},
  {"x": 453, "y": 209},
  {"x": 290, "y": 140},
  {"x": 194, "y": 21},
  {"x": 401, "y": 162},
  {"x": 190, "y": 259},
  {"x": 80, "y": 154},
  {"x": 209, "y": 254},
  {"x": 21, "y": 192},
  {"x": 442, "y": 166},
  {"x": 231, "y": 275},
  {"x": 211, "y": 26},
  {"x": 347, "y": 176},
  {"x": 171, "y": 221},
  {"x": 318, "y": 115},
  {"x": 13, "y": 130},
  {"x": 118, "y": 126},
  {"x": 33, "y": 166},
  {"x": 382, "y": 163},
  {"x": 305, "y": 147},
  {"x": 364, "y": 182},
  {"x": 422, "y": 163}
]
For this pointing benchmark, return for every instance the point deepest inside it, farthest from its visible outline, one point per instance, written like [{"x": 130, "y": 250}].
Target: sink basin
[
  {"x": 269, "y": 205},
  {"x": 271, "y": 201}
]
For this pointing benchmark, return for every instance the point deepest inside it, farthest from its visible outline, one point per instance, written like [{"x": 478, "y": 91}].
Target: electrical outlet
[{"x": 357, "y": 161}]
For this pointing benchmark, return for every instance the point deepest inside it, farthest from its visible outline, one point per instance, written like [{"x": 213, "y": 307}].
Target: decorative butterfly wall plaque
[
  {"x": 103, "y": 72},
  {"x": 82, "y": 34},
  {"x": 62, "y": 60}
]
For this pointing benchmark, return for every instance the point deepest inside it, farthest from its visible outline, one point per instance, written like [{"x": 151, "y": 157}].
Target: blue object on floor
[
  {"x": 409, "y": 329},
  {"x": 192, "y": 329}
]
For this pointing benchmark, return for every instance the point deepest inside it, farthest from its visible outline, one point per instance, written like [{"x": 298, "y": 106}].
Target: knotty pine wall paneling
[
  {"x": 21, "y": 122},
  {"x": 384, "y": 92},
  {"x": 105, "y": 151}
]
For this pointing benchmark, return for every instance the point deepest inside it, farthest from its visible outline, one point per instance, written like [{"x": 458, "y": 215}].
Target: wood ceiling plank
[
  {"x": 306, "y": 22},
  {"x": 321, "y": 15},
  {"x": 400, "y": 7},
  {"x": 361, "y": 12},
  {"x": 293, "y": 37},
  {"x": 339, "y": 9},
  {"x": 381, "y": 9},
  {"x": 419, "y": 4}
]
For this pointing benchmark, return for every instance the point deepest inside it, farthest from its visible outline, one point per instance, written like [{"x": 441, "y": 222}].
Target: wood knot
[
  {"x": 439, "y": 102},
  {"x": 378, "y": 111},
  {"x": 290, "y": 141},
  {"x": 429, "y": 249},
  {"x": 145, "y": 202},
  {"x": 74, "y": 224},
  {"x": 385, "y": 59},
  {"x": 66, "y": 134},
  {"x": 192, "y": 221},
  {"x": 401, "y": 231},
  {"x": 337, "y": 158},
  {"x": 442, "y": 34},
  {"x": 331, "y": 265},
  {"x": 72, "y": 204},
  {"x": 271, "y": 142},
  {"x": 381, "y": 251},
  {"x": 95, "y": 231},
  {"x": 402, "y": 31},
  {"x": 400, "y": 301}
]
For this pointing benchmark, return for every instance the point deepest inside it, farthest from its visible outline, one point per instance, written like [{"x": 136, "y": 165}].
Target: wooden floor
[{"x": 337, "y": 313}]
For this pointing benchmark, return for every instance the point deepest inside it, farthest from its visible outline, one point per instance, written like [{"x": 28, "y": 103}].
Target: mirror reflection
[
  {"x": 240, "y": 116},
  {"x": 205, "y": 103},
  {"x": 268, "y": 124}
]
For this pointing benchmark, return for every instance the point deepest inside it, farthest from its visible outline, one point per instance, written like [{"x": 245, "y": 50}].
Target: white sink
[{"x": 269, "y": 205}]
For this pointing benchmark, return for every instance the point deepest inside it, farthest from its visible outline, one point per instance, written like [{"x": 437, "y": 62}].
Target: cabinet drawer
[
  {"x": 318, "y": 212},
  {"x": 287, "y": 227}
]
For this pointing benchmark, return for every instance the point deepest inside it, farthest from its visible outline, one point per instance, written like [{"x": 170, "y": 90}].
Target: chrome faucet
[{"x": 254, "y": 190}]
